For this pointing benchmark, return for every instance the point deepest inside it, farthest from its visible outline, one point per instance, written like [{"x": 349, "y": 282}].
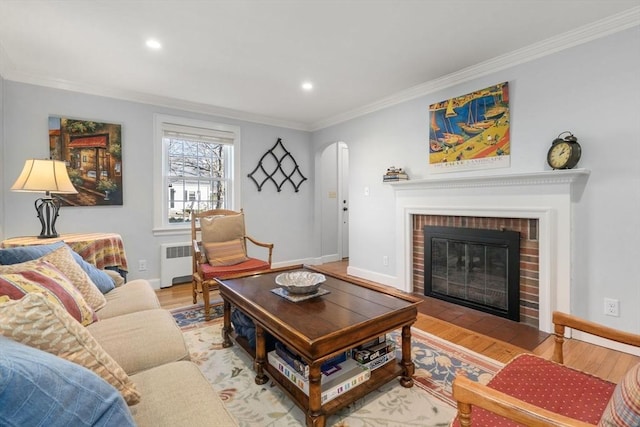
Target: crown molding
[
  {"x": 8, "y": 72},
  {"x": 584, "y": 34}
]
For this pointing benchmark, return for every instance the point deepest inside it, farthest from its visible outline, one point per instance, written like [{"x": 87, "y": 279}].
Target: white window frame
[{"x": 161, "y": 225}]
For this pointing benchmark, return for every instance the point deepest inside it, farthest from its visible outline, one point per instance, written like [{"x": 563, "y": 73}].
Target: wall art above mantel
[
  {"x": 471, "y": 131},
  {"x": 278, "y": 166}
]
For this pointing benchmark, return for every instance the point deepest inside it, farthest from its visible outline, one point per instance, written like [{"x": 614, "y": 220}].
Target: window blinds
[{"x": 190, "y": 133}]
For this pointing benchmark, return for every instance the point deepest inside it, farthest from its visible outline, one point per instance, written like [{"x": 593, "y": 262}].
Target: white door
[{"x": 343, "y": 205}]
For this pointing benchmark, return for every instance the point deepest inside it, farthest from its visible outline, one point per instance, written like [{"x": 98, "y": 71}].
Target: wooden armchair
[
  {"x": 220, "y": 250},
  {"x": 533, "y": 391}
]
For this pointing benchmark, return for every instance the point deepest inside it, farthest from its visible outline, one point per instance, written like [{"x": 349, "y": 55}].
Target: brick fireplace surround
[
  {"x": 528, "y": 253},
  {"x": 545, "y": 197}
]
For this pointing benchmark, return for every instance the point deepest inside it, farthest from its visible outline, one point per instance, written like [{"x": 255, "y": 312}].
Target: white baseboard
[
  {"x": 305, "y": 261},
  {"x": 613, "y": 345},
  {"x": 384, "y": 279},
  {"x": 155, "y": 283}
]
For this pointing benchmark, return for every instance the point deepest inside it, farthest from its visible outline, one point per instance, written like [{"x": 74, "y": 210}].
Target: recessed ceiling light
[
  {"x": 153, "y": 44},
  {"x": 307, "y": 86}
]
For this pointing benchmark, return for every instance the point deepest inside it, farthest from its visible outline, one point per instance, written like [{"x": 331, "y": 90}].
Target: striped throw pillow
[
  {"x": 42, "y": 277},
  {"x": 623, "y": 409},
  {"x": 225, "y": 253}
]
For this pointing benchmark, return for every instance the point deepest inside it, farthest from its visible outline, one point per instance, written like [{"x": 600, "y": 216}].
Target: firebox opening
[{"x": 475, "y": 268}]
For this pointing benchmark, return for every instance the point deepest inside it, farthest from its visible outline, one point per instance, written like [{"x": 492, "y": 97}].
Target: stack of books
[
  {"x": 376, "y": 353},
  {"x": 394, "y": 174},
  {"x": 296, "y": 362},
  {"x": 336, "y": 380}
]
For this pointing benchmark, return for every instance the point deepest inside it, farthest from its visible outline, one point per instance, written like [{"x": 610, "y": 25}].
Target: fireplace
[
  {"x": 473, "y": 267},
  {"x": 544, "y": 199}
]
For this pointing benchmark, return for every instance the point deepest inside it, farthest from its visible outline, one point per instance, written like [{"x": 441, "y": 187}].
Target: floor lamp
[{"x": 45, "y": 176}]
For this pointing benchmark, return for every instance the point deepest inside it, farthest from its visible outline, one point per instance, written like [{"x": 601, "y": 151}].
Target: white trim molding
[{"x": 546, "y": 196}]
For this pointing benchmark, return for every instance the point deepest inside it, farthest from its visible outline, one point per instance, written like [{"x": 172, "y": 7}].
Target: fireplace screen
[{"x": 475, "y": 268}]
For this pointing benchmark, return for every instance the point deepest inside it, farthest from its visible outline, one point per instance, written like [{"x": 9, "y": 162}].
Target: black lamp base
[{"x": 47, "y": 208}]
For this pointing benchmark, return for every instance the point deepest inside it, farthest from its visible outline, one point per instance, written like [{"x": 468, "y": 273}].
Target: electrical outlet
[
  {"x": 385, "y": 260},
  {"x": 142, "y": 265},
  {"x": 611, "y": 307}
]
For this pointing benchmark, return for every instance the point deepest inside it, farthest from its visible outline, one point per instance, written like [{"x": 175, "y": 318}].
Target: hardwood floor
[{"x": 494, "y": 337}]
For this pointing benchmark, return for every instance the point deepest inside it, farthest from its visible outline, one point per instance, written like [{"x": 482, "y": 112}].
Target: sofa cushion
[
  {"x": 37, "y": 388},
  {"x": 20, "y": 254},
  {"x": 42, "y": 277},
  {"x": 225, "y": 253},
  {"x": 39, "y": 323},
  {"x": 136, "y": 295},
  {"x": 178, "y": 394},
  {"x": 624, "y": 407},
  {"x": 62, "y": 259},
  {"x": 141, "y": 340}
]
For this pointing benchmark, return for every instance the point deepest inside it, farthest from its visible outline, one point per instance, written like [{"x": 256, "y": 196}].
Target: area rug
[
  {"x": 192, "y": 316},
  {"x": 428, "y": 403}
]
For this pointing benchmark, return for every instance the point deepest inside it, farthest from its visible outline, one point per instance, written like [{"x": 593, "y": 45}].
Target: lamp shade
[{"x": 44, "y": 176}]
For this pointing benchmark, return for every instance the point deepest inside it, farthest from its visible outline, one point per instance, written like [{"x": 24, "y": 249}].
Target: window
[{"x": 198, "y": 164}]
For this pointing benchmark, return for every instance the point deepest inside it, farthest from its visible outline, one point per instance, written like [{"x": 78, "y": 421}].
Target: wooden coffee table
[{"x": 351, "y": 314}]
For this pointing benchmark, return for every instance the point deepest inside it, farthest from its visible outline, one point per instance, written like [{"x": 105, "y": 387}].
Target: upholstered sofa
[{"x": 128, "y": 364}]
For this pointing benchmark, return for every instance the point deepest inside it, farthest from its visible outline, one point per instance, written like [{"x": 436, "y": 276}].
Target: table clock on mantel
[{"x": 564, "y": 153}]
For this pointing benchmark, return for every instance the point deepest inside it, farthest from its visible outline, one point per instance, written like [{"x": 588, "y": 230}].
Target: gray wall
[
  {"x": 2, "y": 156},
  {"x": 593, "y": 90},
  {"x": 283, "y": 218}
]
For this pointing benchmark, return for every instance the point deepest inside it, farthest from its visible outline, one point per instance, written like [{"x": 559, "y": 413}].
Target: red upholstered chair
[
  {"x": 533, "y": 391},
  {"x": 220, "y": 250}
]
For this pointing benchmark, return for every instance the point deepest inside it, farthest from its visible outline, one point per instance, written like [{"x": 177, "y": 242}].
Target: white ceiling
[{"x": 247, "y": 59}]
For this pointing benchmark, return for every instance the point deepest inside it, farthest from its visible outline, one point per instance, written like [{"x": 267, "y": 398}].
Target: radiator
[{"x": 175, "y": 263}]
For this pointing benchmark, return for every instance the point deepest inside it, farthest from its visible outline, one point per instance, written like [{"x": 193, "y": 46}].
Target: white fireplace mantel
[
  {"x": 523, "y": 179},
  {"x": 546, "y": 196}
]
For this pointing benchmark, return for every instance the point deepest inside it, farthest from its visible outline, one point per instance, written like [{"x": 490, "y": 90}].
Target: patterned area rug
[
  {"x": 428, "y": 403},
  {"x": 192, "y": 316}
]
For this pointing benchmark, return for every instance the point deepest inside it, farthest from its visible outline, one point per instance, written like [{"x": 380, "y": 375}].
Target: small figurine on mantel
[{"x": 395, "y": 174}]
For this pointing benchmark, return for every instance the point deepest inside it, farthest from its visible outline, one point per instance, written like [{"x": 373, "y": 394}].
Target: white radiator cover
[{"x": 175, "y": 261}]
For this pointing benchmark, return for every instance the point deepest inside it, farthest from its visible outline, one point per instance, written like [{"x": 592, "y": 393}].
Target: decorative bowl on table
[{"x": 300, "y": 282}]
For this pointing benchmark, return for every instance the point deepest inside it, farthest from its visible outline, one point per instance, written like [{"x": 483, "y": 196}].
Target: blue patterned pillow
[
  {"x": 20, "y": 254},
  {"x": 38, "y": 388}
]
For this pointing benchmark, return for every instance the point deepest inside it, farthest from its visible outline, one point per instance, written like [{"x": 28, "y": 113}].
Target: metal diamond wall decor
[{"x": 278, "y": 166}]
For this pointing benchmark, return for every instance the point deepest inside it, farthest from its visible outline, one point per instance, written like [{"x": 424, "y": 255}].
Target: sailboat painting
[{"x": 471, "y": 131}]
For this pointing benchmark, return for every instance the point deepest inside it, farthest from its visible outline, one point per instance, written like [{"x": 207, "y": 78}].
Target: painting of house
[{"x": 92, "y": 152}]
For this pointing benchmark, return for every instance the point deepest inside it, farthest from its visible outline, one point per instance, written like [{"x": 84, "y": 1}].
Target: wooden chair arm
[
  {"x": 256, "y": 242},
  {"x": 262, "y": 244},
  {"x": 563, "y": 320},
  {"x": 468, "y": 392},
  {"x": 197, "y": 254}
]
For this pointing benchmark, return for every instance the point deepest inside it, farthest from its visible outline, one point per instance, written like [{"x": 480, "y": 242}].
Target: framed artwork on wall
[
  {"x": 471, "y": 131},
  {"x": 92, "y": 152}
]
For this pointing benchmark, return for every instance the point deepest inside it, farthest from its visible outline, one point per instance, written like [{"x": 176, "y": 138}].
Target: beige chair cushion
[
  {"x": 42, "y": 324},
  {"x": 136, "y": 295},
  {"x": 222, "y": 228},
  {"x": 142, "y": 340}
]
